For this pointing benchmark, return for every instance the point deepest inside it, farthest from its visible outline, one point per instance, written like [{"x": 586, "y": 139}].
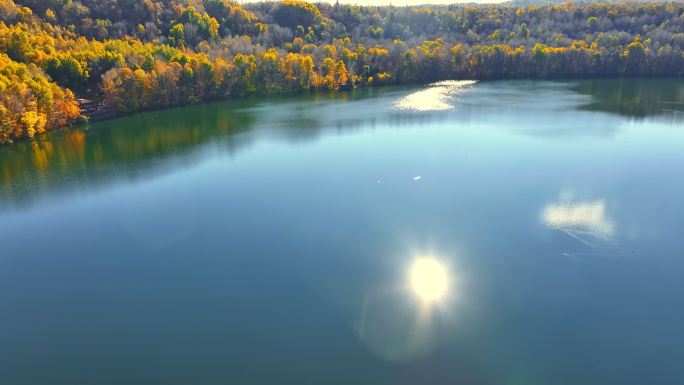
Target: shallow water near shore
[{"x": 504, "y": 232}]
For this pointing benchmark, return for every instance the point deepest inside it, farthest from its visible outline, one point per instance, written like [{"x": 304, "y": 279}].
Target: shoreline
[{"x": 85, "y": 119}]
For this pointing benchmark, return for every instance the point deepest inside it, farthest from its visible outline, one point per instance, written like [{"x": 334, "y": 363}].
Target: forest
[{"x": 132, "y": 55}]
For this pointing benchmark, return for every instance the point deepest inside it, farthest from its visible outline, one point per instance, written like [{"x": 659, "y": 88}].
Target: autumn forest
[{"x": 132, "y": 55}]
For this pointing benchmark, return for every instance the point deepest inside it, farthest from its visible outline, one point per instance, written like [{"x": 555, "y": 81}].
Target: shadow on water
[
  {"x": 560, "y": 109},
  {"x": 148, "y": 145},
  {"x": 130, "y": 148},
  {"x": 151, "y": 144},
  {"x": 635, "y": 98}
]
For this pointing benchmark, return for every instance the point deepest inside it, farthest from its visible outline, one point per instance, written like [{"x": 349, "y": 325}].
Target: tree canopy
[{"x": 139, "y": 54}]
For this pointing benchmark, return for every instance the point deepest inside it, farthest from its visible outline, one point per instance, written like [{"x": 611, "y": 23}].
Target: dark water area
[{"x": 280, "y": 240}]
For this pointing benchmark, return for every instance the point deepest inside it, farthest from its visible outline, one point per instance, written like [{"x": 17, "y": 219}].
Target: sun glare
[{"x": 429, "y": 279}]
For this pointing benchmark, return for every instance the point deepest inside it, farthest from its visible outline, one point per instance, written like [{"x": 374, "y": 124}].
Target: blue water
[{"x": 271, "y": 240}]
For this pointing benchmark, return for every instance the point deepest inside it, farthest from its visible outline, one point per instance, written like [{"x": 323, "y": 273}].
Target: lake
[{"x": 505, "y": 232}]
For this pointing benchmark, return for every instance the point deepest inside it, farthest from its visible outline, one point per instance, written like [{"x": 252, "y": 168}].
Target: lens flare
[{"x": 429, "y": 280}]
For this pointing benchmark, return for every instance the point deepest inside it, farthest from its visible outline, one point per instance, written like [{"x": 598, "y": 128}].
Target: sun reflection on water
[
  {"x": 405, "y": 321},
  {"x": 429, "y": 279}
]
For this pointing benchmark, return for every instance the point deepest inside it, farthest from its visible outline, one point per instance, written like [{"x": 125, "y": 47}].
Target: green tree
[{"x": 294, "y": 13}]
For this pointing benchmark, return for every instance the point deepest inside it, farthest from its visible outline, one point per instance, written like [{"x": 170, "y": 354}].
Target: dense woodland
[{"x": 141, "y": 54}]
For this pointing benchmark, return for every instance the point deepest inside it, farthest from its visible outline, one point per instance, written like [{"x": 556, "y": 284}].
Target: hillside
[{"x": 139, "y": 54}]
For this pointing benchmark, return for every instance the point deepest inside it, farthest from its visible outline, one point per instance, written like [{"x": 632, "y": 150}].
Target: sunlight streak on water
[{"x": 436, "y": 97}]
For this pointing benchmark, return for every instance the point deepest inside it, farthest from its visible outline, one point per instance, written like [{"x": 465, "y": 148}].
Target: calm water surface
[{"x": 272, "y": 241}]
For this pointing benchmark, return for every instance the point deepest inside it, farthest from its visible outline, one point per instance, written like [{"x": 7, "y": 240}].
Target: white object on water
[{"x": 417, "y": 177}]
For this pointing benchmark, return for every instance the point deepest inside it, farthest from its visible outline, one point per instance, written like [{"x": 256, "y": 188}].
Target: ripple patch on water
[
  {"x": 435, "y": 97},
  {"x": 580, "y": 220}
]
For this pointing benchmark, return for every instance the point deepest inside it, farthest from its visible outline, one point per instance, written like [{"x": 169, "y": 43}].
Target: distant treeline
[{"x": 139, "y": 54}]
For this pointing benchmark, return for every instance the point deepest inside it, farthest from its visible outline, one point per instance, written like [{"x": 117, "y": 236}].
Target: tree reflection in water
[{"x": 636, "y": 98}]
